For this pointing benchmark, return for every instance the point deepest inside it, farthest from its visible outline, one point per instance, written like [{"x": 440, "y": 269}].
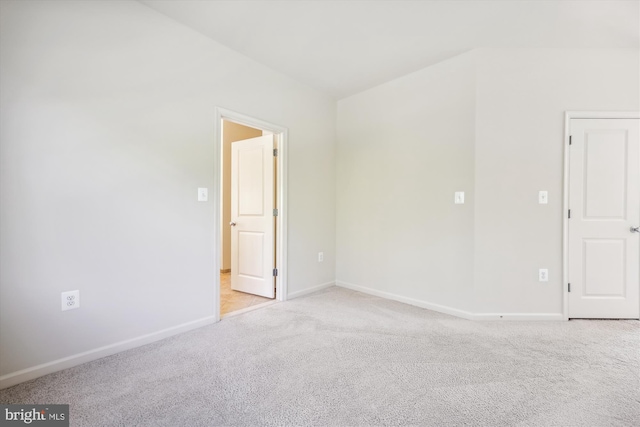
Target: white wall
[
  {"x": 404, "y": 148},
  {"x": 489, "y": 122},
  {"x": 106, "y": 132},
  {"x": 522, "y": 95}
]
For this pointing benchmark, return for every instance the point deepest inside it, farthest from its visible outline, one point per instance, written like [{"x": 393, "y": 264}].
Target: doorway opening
[{"x": 251, "y": 208}]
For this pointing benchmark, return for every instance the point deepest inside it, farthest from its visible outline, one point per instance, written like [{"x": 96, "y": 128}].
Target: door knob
[
  {"x": 233, "y": 224},
  {"x": 635, "y": 229}
]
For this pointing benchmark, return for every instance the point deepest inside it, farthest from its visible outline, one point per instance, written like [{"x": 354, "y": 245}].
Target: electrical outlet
[
  {"x": 320, "y": 256},
  {"x": 70, "y": 300},
  {"x": 543, "y": 275}
]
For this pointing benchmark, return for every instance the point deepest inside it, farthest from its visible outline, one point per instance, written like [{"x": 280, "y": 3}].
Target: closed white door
[
  {"x": 604, "y": 202},
  {"x": 252, "y": 220}
]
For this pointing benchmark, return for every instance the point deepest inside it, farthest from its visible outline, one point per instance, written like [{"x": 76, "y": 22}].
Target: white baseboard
[
  {"x": 411, "y": 301},
  {"x": 518, "y": 316},
  {"x": 23, "y": 375},
  {"x": 311, "y": 290},
  {"x": 450, "y": 310}
]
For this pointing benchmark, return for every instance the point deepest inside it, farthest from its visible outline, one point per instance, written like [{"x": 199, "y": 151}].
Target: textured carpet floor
[{"x": 339, "y": 357}]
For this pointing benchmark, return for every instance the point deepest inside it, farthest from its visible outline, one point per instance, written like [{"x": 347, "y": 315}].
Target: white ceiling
[{"x": 343, "y": 47}]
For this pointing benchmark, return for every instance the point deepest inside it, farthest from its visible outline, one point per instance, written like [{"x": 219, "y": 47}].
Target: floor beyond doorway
[{"x": 231, "y": 300}]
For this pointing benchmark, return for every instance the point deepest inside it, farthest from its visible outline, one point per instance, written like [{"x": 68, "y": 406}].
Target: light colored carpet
[{"x": 339, "y": 357}]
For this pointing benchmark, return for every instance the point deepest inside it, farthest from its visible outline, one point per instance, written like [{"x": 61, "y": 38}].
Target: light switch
[
  {"x": 459, "y": 198},
  {"x": 203, "y": 194},
  {"x": 543, "y": 197}
]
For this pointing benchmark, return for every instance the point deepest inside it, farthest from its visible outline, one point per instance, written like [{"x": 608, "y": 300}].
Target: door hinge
[
  {"x": 275, "y": 272},
  {"x": 275, "y": 212},
  {"x": 570, "y": 140},
  {"x": 275, "y": 152},
  {"x": 569, "y": 288},
  {"x": 569, "y": 216}
]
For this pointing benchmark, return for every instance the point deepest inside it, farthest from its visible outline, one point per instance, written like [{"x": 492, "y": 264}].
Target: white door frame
[
  {"x": 281, "y": 134},
  {"x": 565, "y": 222}
]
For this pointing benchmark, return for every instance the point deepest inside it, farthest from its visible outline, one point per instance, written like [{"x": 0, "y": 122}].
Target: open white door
[
  {"x": 604, "y": 202},
  {"x": 252, "y": 221}
]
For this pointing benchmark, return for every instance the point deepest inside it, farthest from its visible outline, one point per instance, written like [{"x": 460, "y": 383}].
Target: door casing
[
  {"x": 281, "y": 134},
  {"x": 565, "y": 222}
]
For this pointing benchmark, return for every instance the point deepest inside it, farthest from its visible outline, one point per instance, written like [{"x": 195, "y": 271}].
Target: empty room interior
[{"x": 320, "y": 212}]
